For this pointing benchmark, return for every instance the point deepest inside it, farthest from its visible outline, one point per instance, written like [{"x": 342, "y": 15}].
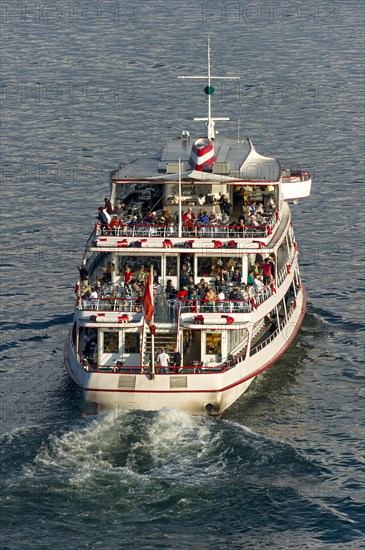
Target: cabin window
[
  {"x": 213, "y": 343},
  {"x": 211, "y": 266},
  {"x": 171, "y": 266},
  {"x": 131, "y": 342},
  {"x": 135, "y": 262},
  {"x": 111, "y": 342}
]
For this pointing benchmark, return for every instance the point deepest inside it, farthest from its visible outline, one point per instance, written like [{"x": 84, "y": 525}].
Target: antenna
[{"x": 209, "y": 90}]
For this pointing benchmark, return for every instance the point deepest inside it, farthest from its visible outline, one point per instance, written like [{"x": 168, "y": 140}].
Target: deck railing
[
  {"x": 189, "y": 230},
  {"x": 198, "y": 367},
  {"x": 111, "y": 304}
]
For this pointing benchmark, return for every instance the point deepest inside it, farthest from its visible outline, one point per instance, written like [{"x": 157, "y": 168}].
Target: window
[
  {"x": 171, "y": 266},
  {"x": 213, "y": 343},
  {"x": 111, "y": 342},
  {"x": 211, "y": 266},
  {"x": 135, "y": 262},
  {"x": 131, "y": 342}
]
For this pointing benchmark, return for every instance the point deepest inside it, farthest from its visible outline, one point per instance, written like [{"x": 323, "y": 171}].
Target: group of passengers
[
  {"x": 112, "y": 220},
  {"x": 227, "y": 286}
]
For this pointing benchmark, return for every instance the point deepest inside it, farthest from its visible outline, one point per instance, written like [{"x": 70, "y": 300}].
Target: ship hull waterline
[{"x": 205, "y": 393}]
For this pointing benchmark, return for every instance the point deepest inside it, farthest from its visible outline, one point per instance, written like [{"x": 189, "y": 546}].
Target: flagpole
[{"x": 180, "y": 206}]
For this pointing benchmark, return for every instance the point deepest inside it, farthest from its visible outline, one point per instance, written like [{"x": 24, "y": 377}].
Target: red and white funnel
[{"x": 202, "y": 153}]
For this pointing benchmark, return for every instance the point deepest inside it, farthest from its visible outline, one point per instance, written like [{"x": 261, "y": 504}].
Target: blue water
[{"x": 85, "y": 87}]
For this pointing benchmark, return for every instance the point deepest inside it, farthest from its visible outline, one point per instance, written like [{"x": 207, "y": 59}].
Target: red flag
[{"x": 147, "y": 303}]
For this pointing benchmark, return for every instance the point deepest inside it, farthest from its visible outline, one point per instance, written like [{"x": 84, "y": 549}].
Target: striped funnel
[{"x": 202, "y": 153}]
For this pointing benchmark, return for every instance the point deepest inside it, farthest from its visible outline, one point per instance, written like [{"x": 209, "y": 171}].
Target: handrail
[
  {"x": 171, "y": 230},
  {"x": 270, "y": 338},
  {"x": 197, "y": 368},
  {"x": 110, "y": 303}
]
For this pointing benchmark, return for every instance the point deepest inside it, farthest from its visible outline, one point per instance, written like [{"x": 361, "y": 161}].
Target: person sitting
[
  {"x": 259, "y": 209},
  {"x": 119, "y": 209},
  {"x": 236, "y": 277},
  {"x": 270, "y": 203},
  {"x": 235, "y": 298},
  {"x": 165, "y": 213},
  {"x": 220, "y": 299},
  {"x": 170, "y": 290},
  {"x": 254, "y": 222},
  {"x": 182, "y": 294},
  {"x": 115, "y": 224},
  {"x": 203, "y": 220},
  {"x": 133, "y": 222},
  {"x": 253, "y": 207},
  {"x": 259, "y": 218},
  {"x": 154, "y": 219},
  {"x": 226, "y": 207},
  {"x": 251, "y": 277},
  {"x": 194, "y": 302},
  {"x": 240, "y": 228},
  {"x": 141, "y": 275},
  {"x": 148, "y": 218},
  {"x": 209, "y": 299},
  {"x": 212, "y": 216},
  {"x": 138, "y": 301},
  {"x": 190, "y": 214}
]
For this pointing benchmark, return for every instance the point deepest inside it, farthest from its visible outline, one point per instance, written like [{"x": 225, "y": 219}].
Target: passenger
[
  {"x": 270, "y": 203},
  {"x": 226, "y": 207},
  {"x": 220, "y": 299},
  {"x": 258, "y": 285},
  {"x": 154, "y": 218},
  {"x": 163, "y": 361},
  {"x": 182, "y": 294},
  {"x": 240, "y": 229},
  {"x": 212, "y": 217},
  {"x": 165, "y": 213},
  {"x": 254, "y": 222},
  {"x": 253, "y": 207},
  {"x": 259, "y": 209},
  {"x": 128, "y": 276},
  {"x": 235, "y": 294},
  {"x": 266, "y": 271},
  {"x": 251, "y": 278},
  {"x": 108, "y": 206},
  {"x": 236, "y": 277},
  {"x": 94, "y": 295},
  {"x": 259, "y": 219},
  {"x": 84, "y": 274},
  {"x": 119, "y": 209},
  {"x": 209, "y": 299},
  {"x": 103, "y": 219},
  {"x": 203, "y": 220},
  {"x": 170, "y": 290},
  {"x": 194, "y": 302},
  {"x": 201, "y": 199},
  {"x": 177, "y": 360},
  {"x": 141, "y": 275}
]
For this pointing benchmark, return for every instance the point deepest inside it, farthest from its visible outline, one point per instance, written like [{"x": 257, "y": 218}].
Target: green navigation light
[{"x": 209, "y": 90}]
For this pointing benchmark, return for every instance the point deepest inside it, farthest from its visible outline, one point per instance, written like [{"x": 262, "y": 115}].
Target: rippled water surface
[{"x": 85, "y": 87}]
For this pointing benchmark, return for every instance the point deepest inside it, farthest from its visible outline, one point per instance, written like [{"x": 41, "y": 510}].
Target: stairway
[{"x": 165, "y": 338}]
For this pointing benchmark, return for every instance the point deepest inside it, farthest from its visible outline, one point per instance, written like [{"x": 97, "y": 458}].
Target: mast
[{"x": 209, "y": 90}]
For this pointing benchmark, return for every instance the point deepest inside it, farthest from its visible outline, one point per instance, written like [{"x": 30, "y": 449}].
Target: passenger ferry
[{"x": 189, "y": 285}]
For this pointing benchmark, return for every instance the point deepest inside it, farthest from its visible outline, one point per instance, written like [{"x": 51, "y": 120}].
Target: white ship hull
[{"x": 205, "y": 393}]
